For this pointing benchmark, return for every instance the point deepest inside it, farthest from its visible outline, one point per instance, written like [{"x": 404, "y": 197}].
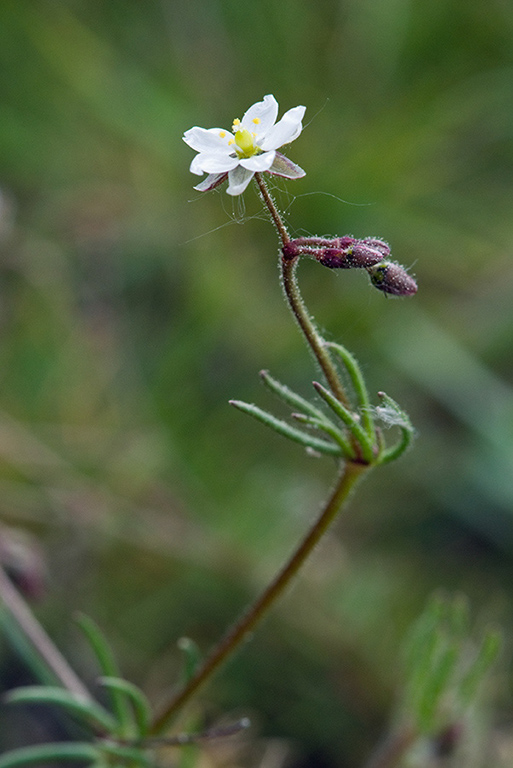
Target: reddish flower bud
[
  {"x": 377, "y": 244},
  {"x": 390, "y": 277},
  {"x": 349, "y": 253},
  {"x": 363, "y": 255}
]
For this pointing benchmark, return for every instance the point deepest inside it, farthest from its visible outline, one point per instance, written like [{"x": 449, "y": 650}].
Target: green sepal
[
  {"x": 108, "y": 667},
  {"x": 315, "y": 443},
  {"x": 192, "y": 657},
  {"x": 135, "y": 697},
  {"x": 392, "y": 415},
  {"x": 90, "y": 712},
  {"x": 359, "y": 386},
  {"x": 349, "y": 420},
  {"x": 41, "y": 754}
]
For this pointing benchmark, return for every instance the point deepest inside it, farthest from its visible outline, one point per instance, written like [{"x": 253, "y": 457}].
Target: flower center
[
  {"x": 246, "y": 143},
  {"x": 244, "y": 139}
]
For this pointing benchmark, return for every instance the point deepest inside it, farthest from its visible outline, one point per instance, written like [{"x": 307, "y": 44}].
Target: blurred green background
[{"x": 133, "y": 308}]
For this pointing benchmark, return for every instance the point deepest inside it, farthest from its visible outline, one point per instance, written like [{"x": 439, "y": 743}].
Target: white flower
[{"x": 250, "y": 147}]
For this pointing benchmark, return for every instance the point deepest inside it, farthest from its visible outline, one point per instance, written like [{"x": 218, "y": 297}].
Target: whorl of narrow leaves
[{"x": 352, "y": 431}]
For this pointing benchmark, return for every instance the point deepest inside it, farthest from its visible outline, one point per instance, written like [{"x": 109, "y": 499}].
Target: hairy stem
[
  {"x": 297, "y": 305},
  {"x": 350, "y": 473},
  {"x": 25, "y": 621},
  {"x": 348, "y": 476}
]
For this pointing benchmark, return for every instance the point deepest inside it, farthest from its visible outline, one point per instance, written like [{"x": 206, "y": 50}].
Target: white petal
[
  {"x": 259, "y": 162},
  {"x": 202, "y": 163},
  {"x": 282, "y": 166},
  {"x": 212, "y": 163},
  {"x": 196, "y": 165},
  {"x": 207, "y": 139},
  {"x": 265, "y": 112},
  {"x": 286, "y": 130},
  {"x": 239, "y": 179},
  {"x": 212, "y": 180}
]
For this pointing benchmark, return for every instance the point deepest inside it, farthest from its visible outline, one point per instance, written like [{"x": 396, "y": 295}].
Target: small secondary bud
[{"x": 390, "y": 277}]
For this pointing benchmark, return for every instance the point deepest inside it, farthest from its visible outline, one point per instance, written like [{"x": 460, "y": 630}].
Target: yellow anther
[
  {"x": 232, "y": 141},
  {"x": 235, "y": 124},
  {"x": 222, "y": 134},
  {"x": 256, "y": 120}
]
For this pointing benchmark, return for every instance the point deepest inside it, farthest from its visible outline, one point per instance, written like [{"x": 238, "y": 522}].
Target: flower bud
[
  {"x": 363, "y": 255},
  {"x": 377, "y": 244},
  {"x": 390, "y": 277},
  {"x": 349, "y": 253}
]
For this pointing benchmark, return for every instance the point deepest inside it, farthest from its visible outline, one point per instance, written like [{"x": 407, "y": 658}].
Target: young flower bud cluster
[{"x": 348, "y": 252}]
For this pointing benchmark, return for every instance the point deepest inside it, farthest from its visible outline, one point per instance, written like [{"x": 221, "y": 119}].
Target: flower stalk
[{"x": 296, "y": 303}]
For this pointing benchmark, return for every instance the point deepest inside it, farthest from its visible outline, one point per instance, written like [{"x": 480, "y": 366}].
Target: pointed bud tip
[{"x": 392, "y": 278}]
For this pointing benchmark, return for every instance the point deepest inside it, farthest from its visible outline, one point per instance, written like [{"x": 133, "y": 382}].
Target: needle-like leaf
[
  {"x": 349, "y": 420},
  {"x": 135, "y": 697},
  {"x": 292, "y": 398},
  {"x": 42, "y": 754},
  {"x": 90, "y": 712},
  {"x": 358, "y": 383},
  {"x": 109, "y": 668},
  {"x": 392, "y": 415},
  {"x": 315, "y": 443}
]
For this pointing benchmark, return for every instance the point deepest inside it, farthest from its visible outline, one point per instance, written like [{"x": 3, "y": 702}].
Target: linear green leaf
[
  {"x": 108, "y": 666},
  {"x": 436, "y": 684},
  {"x": 487, "y": 654},
  {"x": 136, "y": 698},
  {"x": 192, "y": 657},
  {"x": 24, "y": 648},
  {"x": 358, "y": 383},
  {"x": 392, "y": 415},
  {"x": 133, "y": 756},
  {"x": 90, "y": 712},
  {"x": 330, "y": 429},
  {"x": 44, "y": 753},
  {"x": 290, "y": 397},
  {"x": 349, "y": 420},
  {"x": 322, "y": 446},
  {"x": 397, "y": 450}
]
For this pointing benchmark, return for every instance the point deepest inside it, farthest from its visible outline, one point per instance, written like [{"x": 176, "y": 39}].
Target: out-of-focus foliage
[{"x": 133, "y": 308}]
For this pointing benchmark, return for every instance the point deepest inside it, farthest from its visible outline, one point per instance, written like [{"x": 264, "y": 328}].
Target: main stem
[
  {"x": 297, "y": 305},
  {"x": 347, "y": 478},
  {"x": 346, "y": 481}
]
